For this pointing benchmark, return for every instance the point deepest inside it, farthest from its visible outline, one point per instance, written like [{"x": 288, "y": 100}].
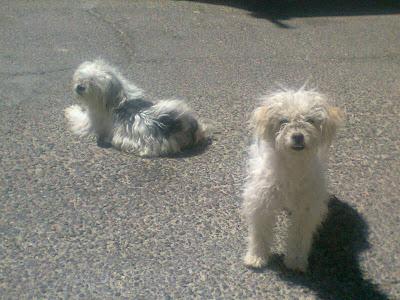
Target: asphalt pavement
[{"x": 79, "y": 221}]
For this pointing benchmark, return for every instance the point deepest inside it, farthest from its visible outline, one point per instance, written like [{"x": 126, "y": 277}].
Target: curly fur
[
  {"x": 293, "y": 131},
  {"x": 114, "y": 110}
]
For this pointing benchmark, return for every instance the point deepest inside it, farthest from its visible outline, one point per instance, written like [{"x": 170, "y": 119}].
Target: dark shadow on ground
[
  {"x": 334, "y": 271},
  {"x": 185, "y": 153},
  {"x": 277, "y": 11},
  {"x": 193, "y": 151}
]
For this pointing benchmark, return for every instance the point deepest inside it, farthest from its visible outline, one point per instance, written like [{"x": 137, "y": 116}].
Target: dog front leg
[
  {"x": 260, "y": 239},
  {"x": 300, "y": 236},
  {"x": 103, "y": 142}
]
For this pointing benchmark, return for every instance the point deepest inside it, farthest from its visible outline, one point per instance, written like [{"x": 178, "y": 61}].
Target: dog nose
[
  {"x": 298, "y": 139},
  {"x": 80, "y": 88}
]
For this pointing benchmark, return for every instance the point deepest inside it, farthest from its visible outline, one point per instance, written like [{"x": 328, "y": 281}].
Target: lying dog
[{"x": 114, "y": 110}]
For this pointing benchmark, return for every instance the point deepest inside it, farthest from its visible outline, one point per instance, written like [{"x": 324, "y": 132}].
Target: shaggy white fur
[
  {"x": 293, "y": 131},
  {"x": 114, "y": 110}
]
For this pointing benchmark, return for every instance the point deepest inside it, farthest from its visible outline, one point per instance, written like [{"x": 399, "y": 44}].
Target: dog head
[
  {"x": 96, "y": 84},
  {"x": 296, "y": 122}
]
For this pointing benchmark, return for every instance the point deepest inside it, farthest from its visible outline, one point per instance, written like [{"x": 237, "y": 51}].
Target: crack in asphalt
[
  {"x": 28, "y": 73},
  {"x": 201, "y": 58},
  {"x": 288, "y": 60},
  {"x": 123, "y": 36}
]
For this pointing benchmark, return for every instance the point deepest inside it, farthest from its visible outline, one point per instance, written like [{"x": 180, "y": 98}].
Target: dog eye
[
  {"x": 310, "y": 120},
  {"x": 283, "y": 121}
]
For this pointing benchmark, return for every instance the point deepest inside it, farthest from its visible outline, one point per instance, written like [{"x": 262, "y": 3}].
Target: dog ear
[
  {"x": 259, "y": 121},
  {"x": 114, "y": 92},
  {"x": 333, "y": 121}
]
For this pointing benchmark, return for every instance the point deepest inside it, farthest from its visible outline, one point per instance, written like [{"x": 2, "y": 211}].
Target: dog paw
[
  {"x": 296, "y": 264},
  {"x": 254, "y": 261}
]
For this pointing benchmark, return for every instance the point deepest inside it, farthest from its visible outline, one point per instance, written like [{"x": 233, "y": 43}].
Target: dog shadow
[
  {"x": 278, "y": 11},
  {"x": 185, "y": 153},
  {"x": 192, "y": 151},
  {"x": 334, "y": 271}
]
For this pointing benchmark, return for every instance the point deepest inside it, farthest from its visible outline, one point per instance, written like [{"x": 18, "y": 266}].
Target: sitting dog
[
  {"x": 293, "y": 131},
  {"x": 114, "y": 110}
]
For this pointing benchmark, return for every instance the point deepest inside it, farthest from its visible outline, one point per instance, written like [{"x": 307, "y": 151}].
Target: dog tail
[
  {"x": 78, "y": 120},
  {"x": 205, "y": 132},
  {"x": 174, "y": 117}
]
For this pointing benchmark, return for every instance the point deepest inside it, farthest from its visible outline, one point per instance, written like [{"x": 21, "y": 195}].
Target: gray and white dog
[{"x": 114, "y": 110}]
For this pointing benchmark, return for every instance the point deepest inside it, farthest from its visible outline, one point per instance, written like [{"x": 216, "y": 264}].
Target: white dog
[
  {"x": 114, "y": 110},
  {"x": 293, "y": 131}
]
